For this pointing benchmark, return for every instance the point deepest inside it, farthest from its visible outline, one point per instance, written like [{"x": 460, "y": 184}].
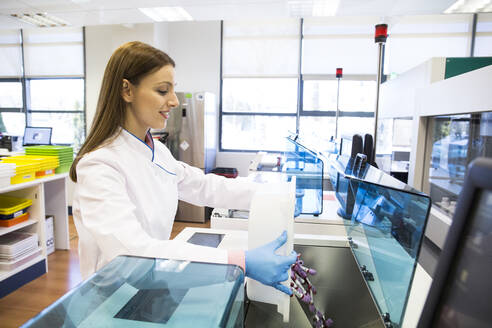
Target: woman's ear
[{"x": 126, "y": 91}]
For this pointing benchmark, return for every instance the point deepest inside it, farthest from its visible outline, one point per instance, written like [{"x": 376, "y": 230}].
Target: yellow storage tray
[
  {"x": 10, "y": 205},
  {"x": 44, "y": 161},
  {"x": 23, "y": 177},
  {"x": 36, "y": 165}
]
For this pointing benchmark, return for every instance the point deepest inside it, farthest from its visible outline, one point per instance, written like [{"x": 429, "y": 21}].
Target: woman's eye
[{"x": 162, "y": 92}]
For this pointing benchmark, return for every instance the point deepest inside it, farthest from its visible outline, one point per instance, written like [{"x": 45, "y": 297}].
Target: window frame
[
  {"x": 26, "y": 94},
  {"x": 300, "y": 95},
  {"x": 303, "y": 77}
]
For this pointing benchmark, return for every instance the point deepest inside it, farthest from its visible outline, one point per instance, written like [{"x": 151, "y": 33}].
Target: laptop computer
[{"x": 34, "y": 136}]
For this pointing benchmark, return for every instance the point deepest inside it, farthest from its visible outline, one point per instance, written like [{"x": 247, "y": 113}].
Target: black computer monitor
[
  {"x": 369, "y": 148},
  {"x": 349, "y": 148},
  {"x": 460, "y": 292}
]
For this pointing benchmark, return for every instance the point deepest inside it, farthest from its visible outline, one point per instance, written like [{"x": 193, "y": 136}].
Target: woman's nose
[{"x": 174, "y": 102}]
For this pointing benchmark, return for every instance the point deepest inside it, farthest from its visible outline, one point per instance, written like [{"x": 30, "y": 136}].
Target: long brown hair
[{"x": 131, "y": 61}]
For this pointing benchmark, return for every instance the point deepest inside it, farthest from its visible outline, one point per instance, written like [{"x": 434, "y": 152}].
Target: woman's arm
[
  {"x": 109, "y": 215},
  {"x": 213, "y": 190}
]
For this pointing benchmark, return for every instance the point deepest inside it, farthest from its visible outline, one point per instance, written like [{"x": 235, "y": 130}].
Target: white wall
[
  {"x": 194, "y": 46},
  {"x": 100, "y": 42}
]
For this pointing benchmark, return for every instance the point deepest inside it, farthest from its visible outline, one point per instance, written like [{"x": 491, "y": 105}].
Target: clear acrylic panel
[
  {"x": 256, "y": 132},
  {"x": 387, "y": 224},
  {"x": 146, "y": 292},
  {"x": 308, "y": 169}
]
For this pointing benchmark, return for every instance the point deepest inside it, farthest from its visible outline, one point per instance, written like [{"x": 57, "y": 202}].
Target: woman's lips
[{"x": 164, "y": 114}]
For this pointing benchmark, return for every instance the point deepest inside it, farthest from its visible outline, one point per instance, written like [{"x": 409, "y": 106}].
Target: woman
[{"x": 127, "y": 187}]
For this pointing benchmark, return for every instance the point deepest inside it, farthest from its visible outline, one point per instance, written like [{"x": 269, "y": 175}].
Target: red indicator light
[
  {"x": 381, "y": 33},
  {"x": 339, "y": 72}
]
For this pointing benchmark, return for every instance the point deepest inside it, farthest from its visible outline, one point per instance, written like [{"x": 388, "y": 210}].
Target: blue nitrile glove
[{"x": 263, "y": 265}]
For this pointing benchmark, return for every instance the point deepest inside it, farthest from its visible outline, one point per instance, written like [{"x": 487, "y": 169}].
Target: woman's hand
[{"x": 263, "y": 265}]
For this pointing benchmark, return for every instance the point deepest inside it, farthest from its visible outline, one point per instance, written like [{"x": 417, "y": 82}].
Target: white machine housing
[{"x": 272, "y": 212}]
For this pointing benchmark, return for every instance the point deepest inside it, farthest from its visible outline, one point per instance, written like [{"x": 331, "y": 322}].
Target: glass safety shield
[
  {"x": 308, "y": 169},
  {"x": 146, "y": 292},
  {"x": 387, "y": 223}
]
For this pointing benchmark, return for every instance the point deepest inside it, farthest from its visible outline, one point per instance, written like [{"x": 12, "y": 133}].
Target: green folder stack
[{"x": 64, "y": 153}]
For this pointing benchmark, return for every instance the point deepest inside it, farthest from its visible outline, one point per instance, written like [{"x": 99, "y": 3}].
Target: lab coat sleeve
[
  {"x": 213, "y": 190},
  {"x": 108, "y": 214}
]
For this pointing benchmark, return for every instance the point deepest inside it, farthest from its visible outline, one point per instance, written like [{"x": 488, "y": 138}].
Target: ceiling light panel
[
  {"x": 325, "y": 7},
  {"x": 317, "y": 8},
  {"x": 469, "y": 6},
  {"x": 166, "y": 14},
  {"x": 41, "y": 20}
]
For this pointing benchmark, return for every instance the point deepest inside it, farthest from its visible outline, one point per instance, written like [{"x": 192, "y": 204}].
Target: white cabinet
[{"x": 49, "y": 197}]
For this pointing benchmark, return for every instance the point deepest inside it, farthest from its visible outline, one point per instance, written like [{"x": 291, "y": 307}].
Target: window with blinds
[
  {"x": 260, "y": 77},
  {"x": 279, "y": 75},
  {"x": 483, "y": 42},
  {"x": 43, "y": 82}
]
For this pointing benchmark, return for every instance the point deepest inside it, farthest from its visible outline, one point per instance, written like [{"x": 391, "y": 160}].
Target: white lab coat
[{"x": 126, "y": 197}]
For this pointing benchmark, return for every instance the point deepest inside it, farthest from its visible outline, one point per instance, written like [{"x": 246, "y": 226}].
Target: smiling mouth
[{"x": 164, "y": 114}]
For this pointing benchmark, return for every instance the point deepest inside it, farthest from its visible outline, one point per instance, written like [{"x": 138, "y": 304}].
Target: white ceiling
[{"x": 100, "y": 12}]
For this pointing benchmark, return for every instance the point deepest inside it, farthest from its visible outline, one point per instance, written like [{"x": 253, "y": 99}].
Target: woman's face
[{"x": 150, "y": 101}]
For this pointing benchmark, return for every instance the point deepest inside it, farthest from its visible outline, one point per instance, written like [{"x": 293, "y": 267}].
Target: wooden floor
[{"x": 63, "y": 274}]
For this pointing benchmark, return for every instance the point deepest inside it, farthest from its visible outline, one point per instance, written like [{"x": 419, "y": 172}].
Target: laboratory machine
[
  {"x": 366, "y": 277},
  {"x": 147, "y": 292}
]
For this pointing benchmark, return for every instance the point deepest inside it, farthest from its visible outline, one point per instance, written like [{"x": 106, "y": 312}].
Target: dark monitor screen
[
  {"x": 460, "y": 293},
  {"x": 206, "y": 239},
  {"x": 466, "y": 301},
  {"x": 401, "y": 155}
]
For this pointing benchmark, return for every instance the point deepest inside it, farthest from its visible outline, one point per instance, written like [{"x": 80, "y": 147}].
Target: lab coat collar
[{"x": 139, "y": 145}]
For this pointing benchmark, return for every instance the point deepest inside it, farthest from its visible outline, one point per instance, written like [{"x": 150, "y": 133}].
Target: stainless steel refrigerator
[{"x": 191, "y": 136}]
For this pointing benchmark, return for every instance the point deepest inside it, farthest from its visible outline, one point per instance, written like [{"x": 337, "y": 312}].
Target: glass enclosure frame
[
  {"x": 386, "y": 223},
  {"x": 308, "y": 168},
  {"x": 132, "y": 291}
]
